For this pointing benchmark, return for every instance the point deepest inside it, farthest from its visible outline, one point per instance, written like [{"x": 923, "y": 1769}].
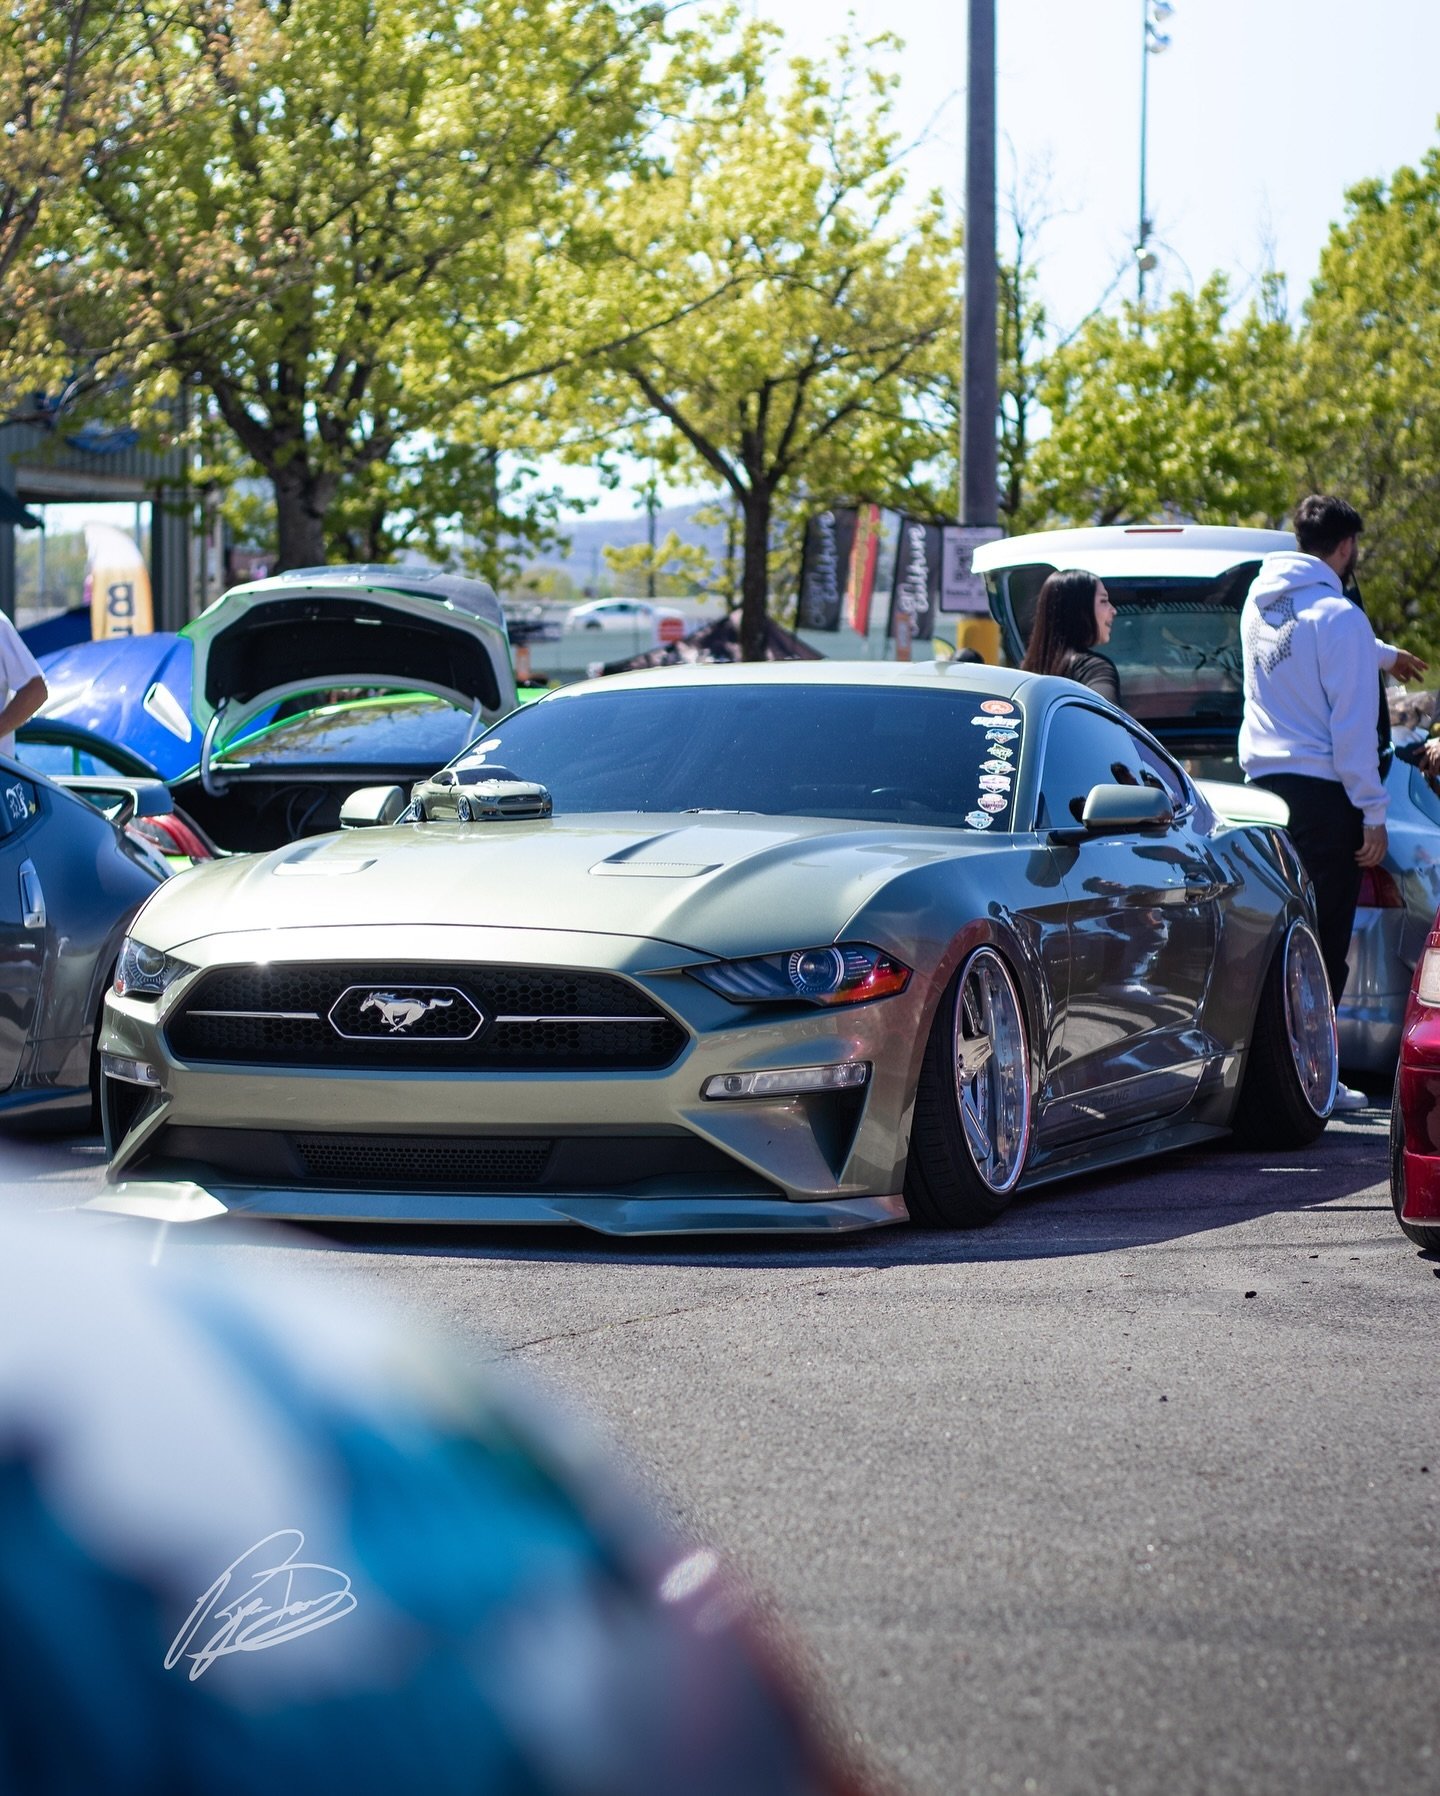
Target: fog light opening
[
  {"x": 129, "y": 1071},
  {"x": 788, "y": 1082}
]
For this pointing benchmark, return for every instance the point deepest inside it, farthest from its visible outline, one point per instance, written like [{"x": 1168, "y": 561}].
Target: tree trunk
[
  {"x": 755, "y": 573},
  {"x": 301, "y": 502}
]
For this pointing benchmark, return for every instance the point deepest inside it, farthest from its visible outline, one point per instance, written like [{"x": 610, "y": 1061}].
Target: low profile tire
[
  {"x": 1293, "y": 1067},
  {"x": 971, "y": 1129},
  {"x": 1427, "y": 1238}
]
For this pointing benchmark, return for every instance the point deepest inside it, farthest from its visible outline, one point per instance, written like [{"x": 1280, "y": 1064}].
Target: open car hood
[
  {"x": 319, "y": 629},
  {"x": 1177, "y": 589}
]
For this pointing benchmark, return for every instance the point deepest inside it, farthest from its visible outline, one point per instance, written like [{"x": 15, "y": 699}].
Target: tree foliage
[
  {"x": 1371, "y": 352},
  {"x": 338, "y": 239},
  {"x": 1184, "y": 412},
  {"x": 766, "y": 305}
]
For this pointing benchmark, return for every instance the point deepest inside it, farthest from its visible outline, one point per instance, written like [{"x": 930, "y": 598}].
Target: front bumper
[{"x": 626, "y": 1152}]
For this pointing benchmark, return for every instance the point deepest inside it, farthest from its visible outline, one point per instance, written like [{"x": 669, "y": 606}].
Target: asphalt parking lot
[{"x": 1135, "y": 1491}]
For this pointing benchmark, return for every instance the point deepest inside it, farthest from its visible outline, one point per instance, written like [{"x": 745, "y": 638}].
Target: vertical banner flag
[
  {"x": 915, "y": 593},
  {"x": 117, "y": 584},
  {"x": 962, "y": 590},
  {"x": 864, "y": 552},
  {"x": 824, "y": 564}
]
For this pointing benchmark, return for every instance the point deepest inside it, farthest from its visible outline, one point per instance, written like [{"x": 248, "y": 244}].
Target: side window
[
  {"x": 1159, "y": 770},
  {"x": 1084, "y": 749},
  {"x": 18, "y": 804}
]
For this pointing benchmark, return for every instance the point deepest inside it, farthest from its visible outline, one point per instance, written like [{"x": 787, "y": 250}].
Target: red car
[{"x": 1415, "y": 1107}]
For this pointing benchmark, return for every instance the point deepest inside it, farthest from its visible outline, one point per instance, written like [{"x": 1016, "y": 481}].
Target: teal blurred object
[{"x": 253, "y": 1538}]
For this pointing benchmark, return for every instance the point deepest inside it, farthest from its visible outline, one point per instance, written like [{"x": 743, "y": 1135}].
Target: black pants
[{"x": 1326, "y": 830}]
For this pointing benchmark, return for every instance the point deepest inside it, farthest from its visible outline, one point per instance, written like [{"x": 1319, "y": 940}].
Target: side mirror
[
  {"x": 121, "y": 799},
  {"x": 372, "y": 806},
  {"x": 1126, "y": 807}
]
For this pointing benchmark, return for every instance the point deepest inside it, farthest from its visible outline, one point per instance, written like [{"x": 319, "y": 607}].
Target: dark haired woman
[{"x": 1073, "y": 616}]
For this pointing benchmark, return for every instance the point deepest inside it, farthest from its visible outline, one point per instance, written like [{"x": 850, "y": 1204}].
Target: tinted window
[
  {"x": 1084, "y": 749},
  {"x": 883, "y": 755},
  {"x": 18, "y": 804},
  {"x": 411, "y": 732}
]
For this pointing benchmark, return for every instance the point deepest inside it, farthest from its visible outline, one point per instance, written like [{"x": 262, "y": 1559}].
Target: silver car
[{"x": 1178, "y": 590}]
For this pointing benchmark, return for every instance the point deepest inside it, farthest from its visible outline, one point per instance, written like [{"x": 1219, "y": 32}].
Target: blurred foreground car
[
  {"x": 772, "y": 946},
  {"x": 1178, "y": 590},
  {"x": 71, "y": 878},
  {"x": 256, "y": 1538},
  {"x": 1415, "y": 1107},
  {"x": 238, "y": 712}
]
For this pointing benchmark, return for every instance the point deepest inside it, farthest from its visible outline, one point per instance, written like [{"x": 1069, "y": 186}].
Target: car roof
[
  {"x": 965, "y": 676},
  {"x": 1135, "y": 551}
]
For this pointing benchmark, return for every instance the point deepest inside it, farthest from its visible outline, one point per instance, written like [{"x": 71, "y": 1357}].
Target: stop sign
[{"x": 671, "y": 629}]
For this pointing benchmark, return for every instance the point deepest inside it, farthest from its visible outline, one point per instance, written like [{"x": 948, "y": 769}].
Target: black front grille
[
  {"x": 318, "y": 1015},
  {"x": 377, "y": 1161}
]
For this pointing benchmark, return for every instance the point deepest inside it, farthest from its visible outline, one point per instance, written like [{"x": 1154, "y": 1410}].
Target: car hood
[
  {"x": 717, "y": 885},
  {"x": 328, "y": 628}
]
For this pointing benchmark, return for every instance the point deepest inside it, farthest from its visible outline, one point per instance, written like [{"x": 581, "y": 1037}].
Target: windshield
[
  {"x": 410, "y": 732},
  {"x": 1175, "y": 643},
  {"x": 874, "y": 754}
]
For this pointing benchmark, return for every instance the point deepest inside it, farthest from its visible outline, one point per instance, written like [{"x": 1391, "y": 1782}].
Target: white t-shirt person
[{"x": 18, "y": 667}]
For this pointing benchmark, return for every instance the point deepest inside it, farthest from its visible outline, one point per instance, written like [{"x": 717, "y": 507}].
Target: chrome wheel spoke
[
  {"x": 1310, "y": 1020},
  {"x": 992, "y": 1072}
]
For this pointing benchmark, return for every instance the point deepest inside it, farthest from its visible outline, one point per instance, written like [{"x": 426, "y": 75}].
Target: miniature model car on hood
[{"x": 1178, "y": 590}]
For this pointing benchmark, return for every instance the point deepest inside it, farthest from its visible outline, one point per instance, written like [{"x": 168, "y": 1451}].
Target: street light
[{"x": 1153, "y": 14}]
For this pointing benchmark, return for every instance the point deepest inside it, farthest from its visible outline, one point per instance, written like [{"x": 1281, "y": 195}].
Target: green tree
[
  {"x": 340, "y": 237},
  {"x": 1371, "y": 349},
  {"x": 1185, "y": 411},
  {"x": 778, "y": 311}
]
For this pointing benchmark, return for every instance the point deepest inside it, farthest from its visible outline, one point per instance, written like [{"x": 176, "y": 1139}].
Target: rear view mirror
[
  {"x": 372, "y": 806},
  {"x": 121, "y": 799}
]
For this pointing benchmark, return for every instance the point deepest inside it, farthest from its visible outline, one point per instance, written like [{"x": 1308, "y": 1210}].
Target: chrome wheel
[
  {"x": 992, "y": 1070},
  {"x": 1310, "y": 1020}
]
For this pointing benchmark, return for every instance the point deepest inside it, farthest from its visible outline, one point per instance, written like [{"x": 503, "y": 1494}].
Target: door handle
[{"x": 32, "y": 897}]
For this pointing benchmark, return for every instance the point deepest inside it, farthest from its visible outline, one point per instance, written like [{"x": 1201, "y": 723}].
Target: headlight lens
[
  {"x": 850, "y": 973},
  {"x": 144, "y": 972}
]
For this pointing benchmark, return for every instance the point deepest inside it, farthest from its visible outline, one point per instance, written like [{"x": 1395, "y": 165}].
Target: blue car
[{"x": 250, "y": 713}]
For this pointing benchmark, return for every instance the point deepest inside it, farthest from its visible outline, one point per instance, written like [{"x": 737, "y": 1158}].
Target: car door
[
  {"x": 23, "y": 931},
  {"x": 1142, "y": 913}
]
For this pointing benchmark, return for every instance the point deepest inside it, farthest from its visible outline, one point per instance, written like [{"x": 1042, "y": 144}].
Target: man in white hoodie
[{"x": 1309, "y": 730}]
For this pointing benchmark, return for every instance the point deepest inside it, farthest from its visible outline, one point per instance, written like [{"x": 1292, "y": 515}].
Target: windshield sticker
[
  {"x": 1000, "y": 735},
  {"x": 994, "y": 782},
  {"x": 999, "y": 706},
  {"x": 992, "y": 801},
  {"x": 978, "y": 820},
  {"x": 996, "y": 764},
  {"x": 17, "y": 802}
]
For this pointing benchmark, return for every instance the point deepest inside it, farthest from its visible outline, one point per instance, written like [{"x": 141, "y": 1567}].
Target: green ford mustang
[{"x": 788, "y": 946}]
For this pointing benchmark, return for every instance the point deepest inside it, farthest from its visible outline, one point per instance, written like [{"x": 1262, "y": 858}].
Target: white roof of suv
[{"x": 1198, "y": 551}]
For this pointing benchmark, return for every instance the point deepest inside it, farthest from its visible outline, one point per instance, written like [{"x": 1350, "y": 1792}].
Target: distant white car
[
  {"x": 1178, "y": 589},
  {"x": 641, "y": 622}
]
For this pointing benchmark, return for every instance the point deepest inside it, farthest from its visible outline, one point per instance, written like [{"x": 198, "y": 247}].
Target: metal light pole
[
  {"x": 1153, "y": 40},
  {"x": 980, "y": 396}
]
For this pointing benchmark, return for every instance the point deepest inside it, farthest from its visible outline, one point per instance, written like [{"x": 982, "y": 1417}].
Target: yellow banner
[{"x": 117, "y": 584}]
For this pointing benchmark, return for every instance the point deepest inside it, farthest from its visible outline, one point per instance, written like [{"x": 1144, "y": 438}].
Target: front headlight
[
  {"x": 847, "y": 973},
  {"x": 144, "y": 972}
]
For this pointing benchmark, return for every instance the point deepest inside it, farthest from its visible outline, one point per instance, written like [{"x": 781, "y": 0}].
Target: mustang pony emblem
[{"x": 398, "y": 1014}]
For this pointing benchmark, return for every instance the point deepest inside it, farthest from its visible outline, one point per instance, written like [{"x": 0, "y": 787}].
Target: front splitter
[{"x": 182, "y": 1201}]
